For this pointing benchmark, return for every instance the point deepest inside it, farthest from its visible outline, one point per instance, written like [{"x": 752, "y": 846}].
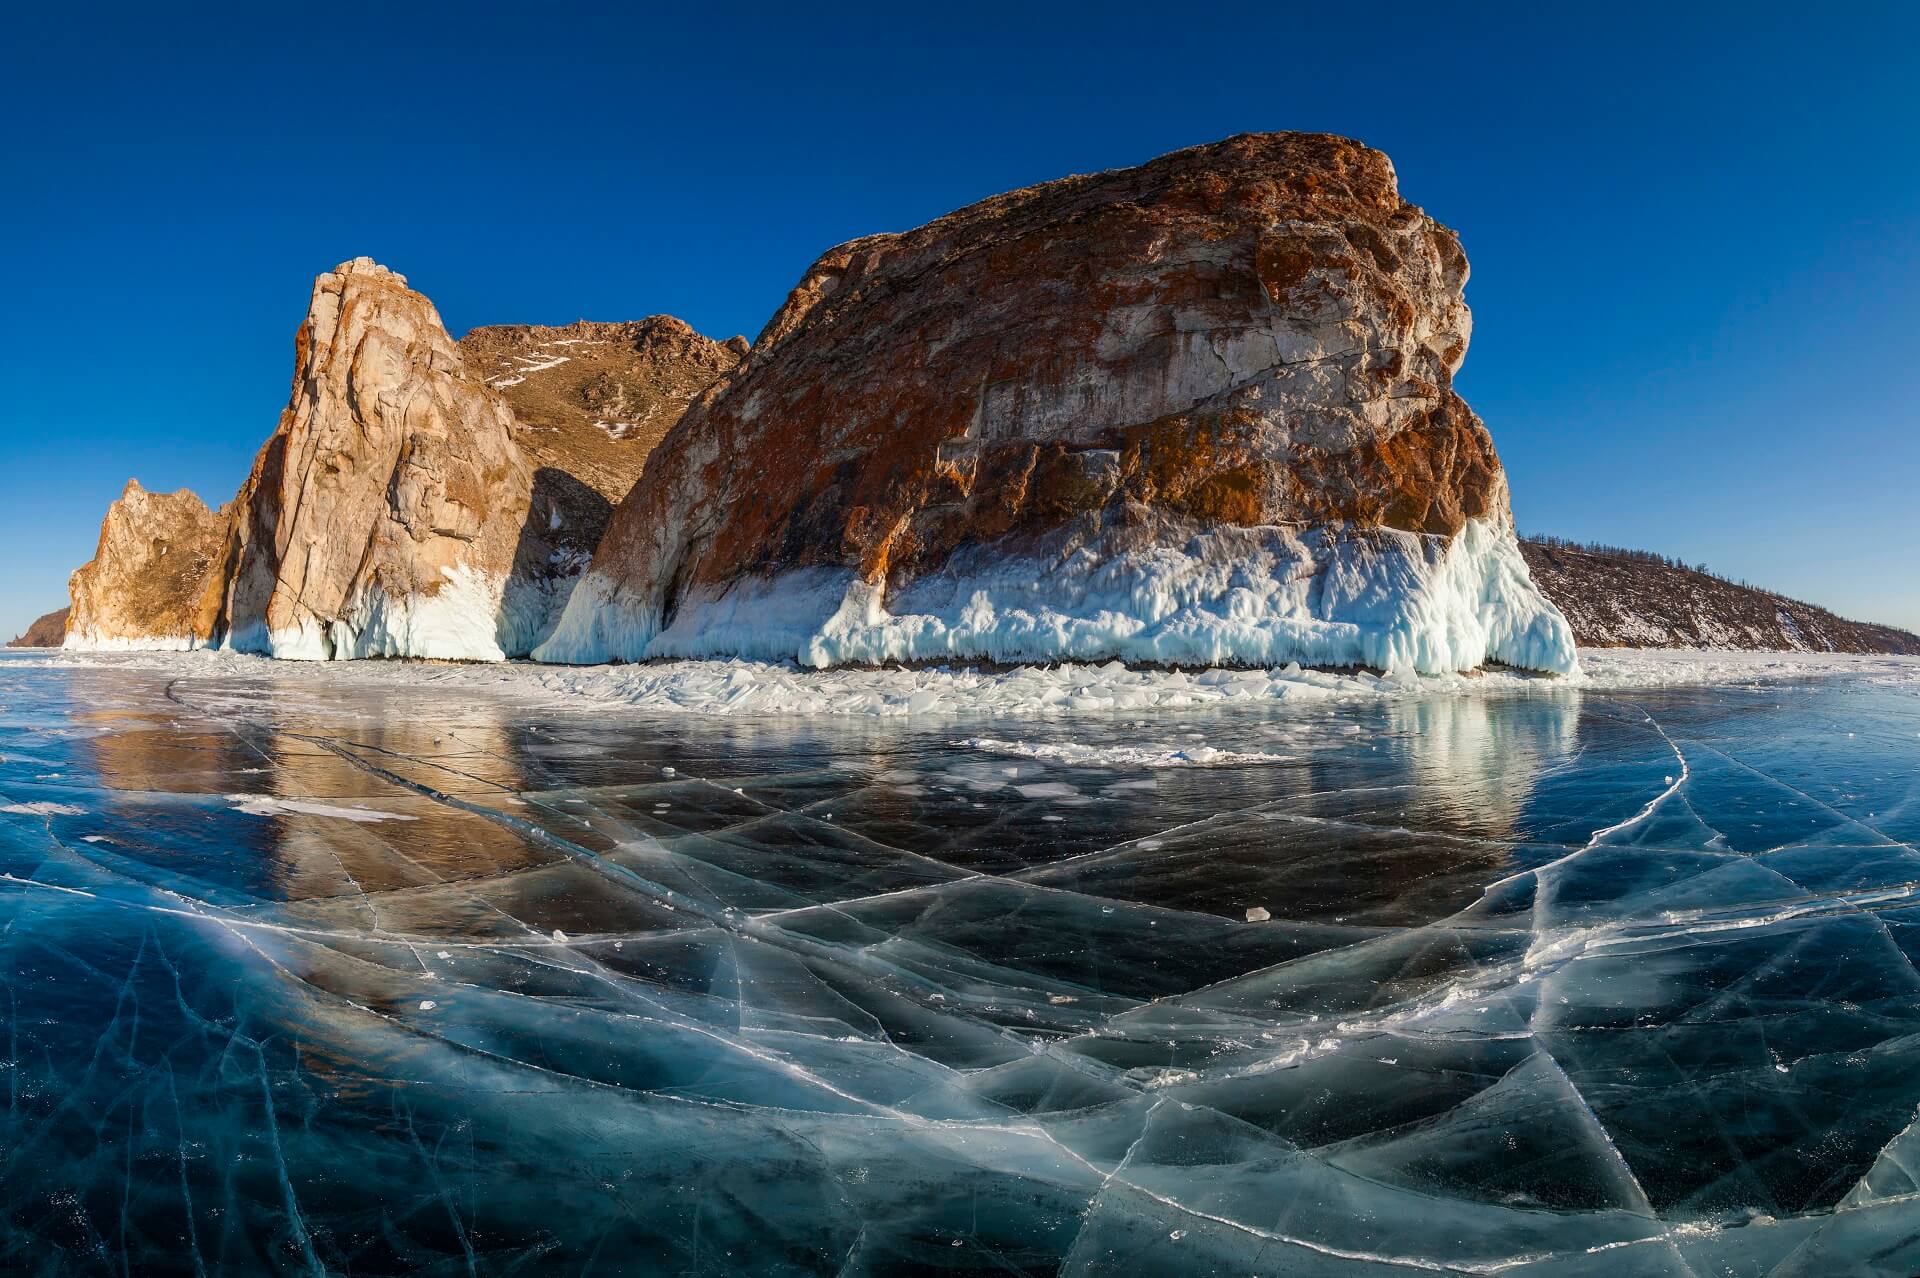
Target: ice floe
[
  {"x": 261, "y": 805},
  {"x": 1077, "y": 755}
]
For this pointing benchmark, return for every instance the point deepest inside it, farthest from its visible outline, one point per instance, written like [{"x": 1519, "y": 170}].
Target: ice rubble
[
  {"x": 1075, "y": 754},
  {"x": 90, "y": 641},
  {"x": 735, "y": 688},
  {"x": 1235, "y": 596}
]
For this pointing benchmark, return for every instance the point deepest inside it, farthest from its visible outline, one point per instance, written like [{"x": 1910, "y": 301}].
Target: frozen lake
[{"x": 413, "y": 970}]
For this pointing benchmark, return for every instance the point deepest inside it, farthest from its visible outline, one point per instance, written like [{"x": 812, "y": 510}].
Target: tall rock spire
[{"x": 383, "y": 517}]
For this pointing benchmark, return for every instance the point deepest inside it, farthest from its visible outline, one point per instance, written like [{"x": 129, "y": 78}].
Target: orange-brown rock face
[
  {"x": 590, "y": 401},
  {"x": 400, "y": 508},
  {"x": 593, "y": 399},
  {"x": 943, "y": 434},
  {"x": 385, "y": 515},
  {"x": 393, "y": 511},
  {"x": 155, "y": 580},
  {"x": 45, "y": 632}
]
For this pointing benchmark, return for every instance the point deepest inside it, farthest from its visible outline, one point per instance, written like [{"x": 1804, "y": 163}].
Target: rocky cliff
[
  {"x": 400, "y": 508},
  {"x": 385, "y": 515},
  {"x": 391, "y": 513},
  {"x": 156, "y": 580},
  {"x": 1615, "y": 600},
  {"x": 590, "y": 401},
  {"x": 1197, "y": 411},
  {"x": 45, "y": 632}
]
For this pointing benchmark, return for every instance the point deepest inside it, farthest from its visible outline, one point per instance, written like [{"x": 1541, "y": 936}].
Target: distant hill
[
  {"x": 47, "y": 632},
  {"x": 1617, "y": 598},
  {"x": 593, "y": 399}
]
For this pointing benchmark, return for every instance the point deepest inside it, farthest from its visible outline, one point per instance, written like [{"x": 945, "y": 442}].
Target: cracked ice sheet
[{"x": 1613, "y": 980}]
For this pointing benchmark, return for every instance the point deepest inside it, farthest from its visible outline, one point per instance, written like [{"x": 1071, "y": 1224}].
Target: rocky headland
[
  {"x": 48, "y": 631},
  {"x": 1622, "y": 600},
  {"x": 157, "y": 578},
  {"x": 400, "y": 509},
  {"x": 1196, "y": 411}
]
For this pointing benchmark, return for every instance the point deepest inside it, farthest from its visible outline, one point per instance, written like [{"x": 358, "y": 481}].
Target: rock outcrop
[
  {"x": 594, "y": 399},
  {"x": 45, "y": 632},
  {"x": 391, "y": 513},
  {"x": 1623, "y": 600},
  {"x": 1197, "y": 411},
  {"x": 156, "y": 579},
  {"x": 589, "y": 403},
  {"x": 386, "y": 514}
]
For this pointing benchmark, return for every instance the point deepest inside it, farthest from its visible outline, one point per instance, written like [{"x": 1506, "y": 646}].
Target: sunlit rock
[
  {"x": 384, "y": 515},
  {"x": 1197, "y": 411},
  {"x": 156, "y": 580}
]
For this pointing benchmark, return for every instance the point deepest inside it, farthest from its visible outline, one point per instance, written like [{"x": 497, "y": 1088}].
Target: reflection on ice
[{"x": 310, "y": 977}]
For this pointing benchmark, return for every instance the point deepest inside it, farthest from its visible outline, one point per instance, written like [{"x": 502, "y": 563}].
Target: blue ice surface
[{"x": 329, "y": 980}]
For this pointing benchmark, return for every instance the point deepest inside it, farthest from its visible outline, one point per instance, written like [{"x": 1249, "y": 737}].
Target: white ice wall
[
  {"x": 1232, "y": 596},
  {"x": 458, "y": 622}
]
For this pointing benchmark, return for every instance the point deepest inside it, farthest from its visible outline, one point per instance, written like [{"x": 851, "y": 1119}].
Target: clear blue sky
[{"x": 1695, "y": 230}]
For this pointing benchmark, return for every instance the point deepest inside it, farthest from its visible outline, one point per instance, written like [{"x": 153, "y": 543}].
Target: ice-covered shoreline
[
  {"x": 1189, "y": 597},
  {"x": 759, "y": 688}
]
